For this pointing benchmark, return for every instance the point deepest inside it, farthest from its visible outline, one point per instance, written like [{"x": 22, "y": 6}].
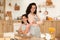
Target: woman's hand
[
  {"x": 39, "y": 22},
  {"x": 33, "y": 22}
]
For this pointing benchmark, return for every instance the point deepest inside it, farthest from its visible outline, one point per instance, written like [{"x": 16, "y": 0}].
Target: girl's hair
[
  {"x": 26, "y": 17},
  {"x": 28, "y": 10}
]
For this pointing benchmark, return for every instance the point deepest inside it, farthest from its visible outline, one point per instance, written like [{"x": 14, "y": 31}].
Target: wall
[{"x": 53, "y": 12}]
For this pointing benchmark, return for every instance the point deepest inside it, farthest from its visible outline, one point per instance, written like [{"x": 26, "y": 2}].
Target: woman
[
  {"x": 33, "y": 19},
  {"x": 32, "y": 14}
]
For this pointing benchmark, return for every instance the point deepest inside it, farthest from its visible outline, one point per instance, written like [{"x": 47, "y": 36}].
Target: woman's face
[
  {"x": 33, "y": 8},
  {"x": 24, "y": 19}
]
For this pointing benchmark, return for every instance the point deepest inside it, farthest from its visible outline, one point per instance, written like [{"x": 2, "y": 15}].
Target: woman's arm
[
  {"x": 39, "y": 22},
  {"x": 31, "y": 19}
]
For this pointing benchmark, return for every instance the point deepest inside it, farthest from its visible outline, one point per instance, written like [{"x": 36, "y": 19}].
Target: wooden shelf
[
  {"x": 52, "y": 6},
  {"x": 16, "y": 21},
  {"x": 2, "y": 9},
  {"x": 5, "y": 25}
]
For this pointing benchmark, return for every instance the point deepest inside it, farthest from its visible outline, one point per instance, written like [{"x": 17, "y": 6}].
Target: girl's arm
[
  {"x": 20, "y": 30},
  {"x": 27, "y": 29}
]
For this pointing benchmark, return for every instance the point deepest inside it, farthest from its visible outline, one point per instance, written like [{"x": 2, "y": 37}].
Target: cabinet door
[
  {"x": 45, "y": 26},
  {"x": 8, "y": 26},
  {"x": 1, "y": 29},
  {"x": 58, "y": 29},
  {"x": 54, "y": 25}
]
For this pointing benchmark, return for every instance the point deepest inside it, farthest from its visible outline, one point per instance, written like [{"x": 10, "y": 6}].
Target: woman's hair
[
  {"x": 26, "y": 17},
  {"x": 28, "y": 10}
]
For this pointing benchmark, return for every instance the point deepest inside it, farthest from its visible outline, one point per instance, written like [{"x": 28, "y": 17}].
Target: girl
[{"x": 25, "y": 26}]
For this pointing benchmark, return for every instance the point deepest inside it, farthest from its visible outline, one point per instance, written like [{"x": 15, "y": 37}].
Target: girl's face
[
  {"x": 33, "y": 8},
  {"x": 24, "y": 19}
]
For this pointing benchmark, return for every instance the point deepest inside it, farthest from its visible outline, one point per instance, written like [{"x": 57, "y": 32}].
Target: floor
[
  {"x": 21, "y": 39},
  {"x": 26, "y": 39},
  {"x": 4, "y": 38}
]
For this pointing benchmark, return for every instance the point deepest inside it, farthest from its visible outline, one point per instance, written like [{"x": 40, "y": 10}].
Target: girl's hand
[{"x": 20, "y": 32}]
